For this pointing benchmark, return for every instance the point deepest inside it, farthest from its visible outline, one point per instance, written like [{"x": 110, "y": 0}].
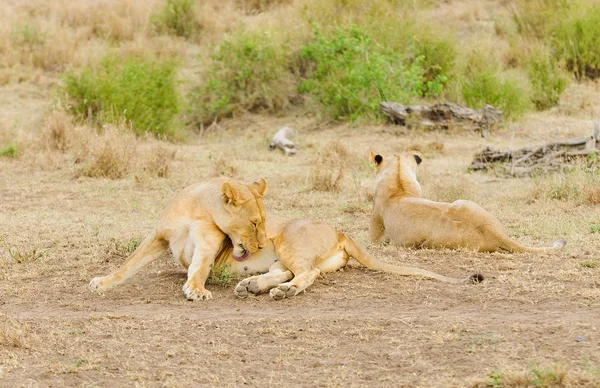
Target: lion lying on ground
[
  {"x": 222, "y": 222},
  {"x": 403, "y": 217}
]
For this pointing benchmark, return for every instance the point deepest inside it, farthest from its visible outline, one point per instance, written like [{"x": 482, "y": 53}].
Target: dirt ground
[{"x": 534, "y": 321}]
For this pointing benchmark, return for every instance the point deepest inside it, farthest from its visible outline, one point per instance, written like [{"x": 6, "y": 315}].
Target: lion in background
[
  {"x": 223, "y": 222},
  {"x": 402, "y": 216}
]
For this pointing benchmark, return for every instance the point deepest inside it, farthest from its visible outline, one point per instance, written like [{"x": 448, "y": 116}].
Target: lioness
[
  {"x": 194, "y": 226},
  {"x": 401, "y": 215},
  {"x": 222, "y": 222}
]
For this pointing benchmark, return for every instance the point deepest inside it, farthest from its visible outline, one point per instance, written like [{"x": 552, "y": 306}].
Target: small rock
[
  {"x": 580, "y": 339},
  {"x": 325, "y": 363}
]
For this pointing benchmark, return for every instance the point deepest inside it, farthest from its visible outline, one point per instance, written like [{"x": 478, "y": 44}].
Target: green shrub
[
  {"x": 576, "y": 40},
  {"x": 350, "y": 74},
  {"x": 438, "y": 55},
  {"x": 177, "y": 17},
  {"x": 143, "y": 93},
  {"x": 546, "y": 78},
  {"x": 9, "y": 151},
  {"x": 487, "y": 87},
  {"x": 221, "y": 276},
  {"x": 252, "y": 71}
]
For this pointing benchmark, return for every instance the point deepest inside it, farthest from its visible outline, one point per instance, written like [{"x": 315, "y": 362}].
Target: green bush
[
  {"x": 546, "y": 78},
  {"x": 250, "y": 72},
  {"x": 143, "y": 93},
  {"x": 178, "y": 17},
  {"x": 576, "y": 40},
  {"x": 9, "y": 151},
  {"x": 439, "y": 55},
  {"x": 350, "y": 74},
  {"x": 487, "y": 87}
]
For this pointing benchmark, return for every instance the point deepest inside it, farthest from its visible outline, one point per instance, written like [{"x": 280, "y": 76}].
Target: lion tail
[{"x": 358, "y": 252}]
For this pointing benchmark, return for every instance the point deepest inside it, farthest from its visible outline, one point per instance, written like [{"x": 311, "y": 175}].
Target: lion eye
[{"x": 254, "y": 224}]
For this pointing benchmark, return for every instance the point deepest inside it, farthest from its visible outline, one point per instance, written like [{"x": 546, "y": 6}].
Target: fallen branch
[
  {"x": 549, "y": 157},
  {"x": 442, "y": 116}
]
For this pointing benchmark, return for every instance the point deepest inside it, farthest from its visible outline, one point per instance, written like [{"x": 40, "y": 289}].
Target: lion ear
[
  {"x": 260, "y": 186},
  {"x": 376, "y": 159},
  {"x": 418, "y": 157},
  {"x": 229, "y": 193}
]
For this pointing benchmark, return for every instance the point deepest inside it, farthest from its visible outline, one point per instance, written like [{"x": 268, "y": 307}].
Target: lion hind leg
[
  {"x": 377, "y": 229},
  {"x": 149, "y": 250},
  {"x": 507, "y": 244},
  {"x": 277, "y": 274},
  {"x": 298, "y": 284}
]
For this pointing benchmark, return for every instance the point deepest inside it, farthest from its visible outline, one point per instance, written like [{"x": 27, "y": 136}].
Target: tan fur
[
  {"x": 206, "y": 223},
  {"x": 403, "y": 217},
  {"x": 195, "y": 226},
  {"x": 303, "y": 249}
]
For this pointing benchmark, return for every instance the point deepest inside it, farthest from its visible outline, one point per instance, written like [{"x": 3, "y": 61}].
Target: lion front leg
[
  {"x": 278, "y": 273},
  {"x": 298, "y": 284},
  {"x": 205, "y": 250}
]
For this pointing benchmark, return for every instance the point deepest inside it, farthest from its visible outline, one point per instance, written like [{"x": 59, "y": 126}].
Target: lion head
[
  {"x": 397, "y": 173},
  {"x": 245, "y": 224}
]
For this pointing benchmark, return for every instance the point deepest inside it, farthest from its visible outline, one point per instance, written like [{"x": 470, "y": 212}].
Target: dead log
[
  {"x": 545, "y": 158},
  {"x": 442, "y": 116}
]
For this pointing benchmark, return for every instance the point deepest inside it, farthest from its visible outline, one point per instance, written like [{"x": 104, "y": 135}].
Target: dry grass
[
  {"x": 578, "y": 185},
  {"x": 112, "y": 152},
  {"x": 13, "y": 333},
  {"x": 328, "y": 166},
  {"x": 223, "y": 166},
  {"x": 57, "y": 132}
]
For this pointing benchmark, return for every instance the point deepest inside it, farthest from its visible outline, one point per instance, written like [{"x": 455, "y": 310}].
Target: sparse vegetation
[
  {"x": 177, "y": 17},
  {"x": 590, "y": 264},
  {"x": 12, "y": 333},
  {"x": 9, "y": 151},
  {"x": 578, "y": 184},
  {"x": 221, "y": 166},
  {"x": 124, "y": 248},
  {"x": 221, "y": 276},
  {"x": 19, "y": 256},
  {"x": 328, "y": 167},
  {"x": 116, "y": 153},
  {"x": 143, "y": 93},
  {"x": 534, "y": 377}
]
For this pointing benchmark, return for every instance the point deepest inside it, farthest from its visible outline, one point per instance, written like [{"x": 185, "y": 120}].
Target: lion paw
[
  {"x": 247, "y": 286},
  {"x": 96, "y": 284},
  {"x": 283, "y": 291},
  {"x": 194, "y": 293}
]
